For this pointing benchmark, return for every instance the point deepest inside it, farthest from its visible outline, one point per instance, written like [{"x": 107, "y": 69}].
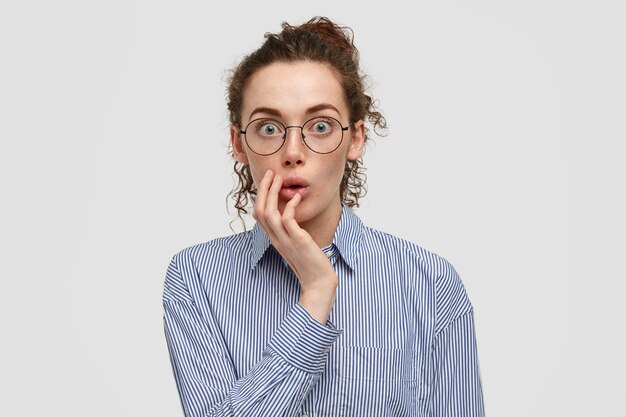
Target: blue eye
[
  {"x": 268, "y": 128},
  {"x": 321, "y": 127}
]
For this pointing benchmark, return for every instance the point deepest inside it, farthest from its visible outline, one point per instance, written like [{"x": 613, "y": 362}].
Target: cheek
[
  {"x": 258, "y": 169},
  {"x": 335, "y": 171},
  {"x": 339, "y": 166},
  {"x": 257, "y": 176}
]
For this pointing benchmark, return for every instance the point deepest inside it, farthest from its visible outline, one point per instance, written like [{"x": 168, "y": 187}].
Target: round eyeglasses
[{"x": 320, "y": 134}]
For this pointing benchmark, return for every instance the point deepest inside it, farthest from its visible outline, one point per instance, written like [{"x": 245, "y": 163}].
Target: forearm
[
  {"x": 272, "y": 387},
  {"x": 277, "y": 385}
]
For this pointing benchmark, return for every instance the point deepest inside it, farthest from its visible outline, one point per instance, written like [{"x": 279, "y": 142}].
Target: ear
[
  {"x": 357, "y": 141},
  {"x": 236, "y": 140}
]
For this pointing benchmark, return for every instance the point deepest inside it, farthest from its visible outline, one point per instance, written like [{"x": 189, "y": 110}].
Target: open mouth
[
  {"x": 292, "y": 186},
  {"x": 294, "y": 183}
]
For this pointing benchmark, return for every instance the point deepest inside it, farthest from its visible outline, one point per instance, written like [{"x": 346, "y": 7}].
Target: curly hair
[{"x": 318, "y": 40}]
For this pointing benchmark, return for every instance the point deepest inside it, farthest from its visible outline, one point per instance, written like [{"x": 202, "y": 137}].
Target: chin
[
  {"x": 302, "y": 214},
  {"x": 302, "y": 217}
]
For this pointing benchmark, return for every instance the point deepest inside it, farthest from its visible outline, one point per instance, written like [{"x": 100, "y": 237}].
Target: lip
[{"x": 288, "y": 189}]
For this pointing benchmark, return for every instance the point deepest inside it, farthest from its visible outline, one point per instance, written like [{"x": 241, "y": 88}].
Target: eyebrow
[{"x": 310, "y": 110}]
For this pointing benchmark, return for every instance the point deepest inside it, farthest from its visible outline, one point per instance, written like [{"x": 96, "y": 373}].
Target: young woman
[{"x": 312, "y": 313}]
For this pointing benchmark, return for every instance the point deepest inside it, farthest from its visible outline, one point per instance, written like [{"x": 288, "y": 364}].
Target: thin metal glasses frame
[{"x": 243, "y": 132}]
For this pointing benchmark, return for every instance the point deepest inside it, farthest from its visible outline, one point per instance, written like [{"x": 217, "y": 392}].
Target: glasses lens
[
  {"x": 322, "y": 134},
  {"x": 265, "y": 136}
]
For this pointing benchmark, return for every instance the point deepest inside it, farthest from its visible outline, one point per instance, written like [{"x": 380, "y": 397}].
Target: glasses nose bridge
[
  {"x": 296, "y": 127},
  {"x": 301, "y": 140}
]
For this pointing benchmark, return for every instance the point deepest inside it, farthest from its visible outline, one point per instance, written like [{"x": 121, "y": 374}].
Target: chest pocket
[
  {"x": 376, "y": 364},
  {"x": 375, "y": 381}
]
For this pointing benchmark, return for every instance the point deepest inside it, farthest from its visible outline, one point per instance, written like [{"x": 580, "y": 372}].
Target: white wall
[{"x": 504, "y": 155}]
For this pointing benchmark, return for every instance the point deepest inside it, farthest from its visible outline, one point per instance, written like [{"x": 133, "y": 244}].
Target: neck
[{"x": 322, "y": 228}]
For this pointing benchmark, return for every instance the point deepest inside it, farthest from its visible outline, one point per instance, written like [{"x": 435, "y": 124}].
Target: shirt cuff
[{"x": 302, "y": 341}]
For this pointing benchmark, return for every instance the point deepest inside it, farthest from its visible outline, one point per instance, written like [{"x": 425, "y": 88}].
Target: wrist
[
  {"x": 321, "y": 285},
  {"x": 318, "y": 300}
]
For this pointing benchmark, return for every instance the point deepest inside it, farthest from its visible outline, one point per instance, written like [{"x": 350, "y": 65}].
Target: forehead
[{"x": 292, "y": 88}]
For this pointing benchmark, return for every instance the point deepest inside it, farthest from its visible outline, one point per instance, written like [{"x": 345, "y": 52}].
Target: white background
[{"x": 504, "y": 155}]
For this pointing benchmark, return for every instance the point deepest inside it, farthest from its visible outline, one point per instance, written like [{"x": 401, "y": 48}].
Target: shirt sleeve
[
  {"x": 204, "y": 372},
  {"x": 457, "y": 389}
]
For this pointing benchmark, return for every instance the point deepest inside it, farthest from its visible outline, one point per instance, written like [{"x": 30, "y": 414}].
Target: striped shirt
[{"x": 399, "y": 341}]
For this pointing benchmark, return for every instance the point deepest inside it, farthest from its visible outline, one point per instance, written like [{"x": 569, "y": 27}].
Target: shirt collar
[{"x": 347, "y": 239}]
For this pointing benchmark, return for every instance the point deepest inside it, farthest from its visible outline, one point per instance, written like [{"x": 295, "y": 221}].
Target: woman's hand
[{"x": 317, "y": 278}]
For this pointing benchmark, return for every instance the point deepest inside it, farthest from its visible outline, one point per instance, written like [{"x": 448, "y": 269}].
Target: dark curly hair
[{"x": 318, "y": 40}]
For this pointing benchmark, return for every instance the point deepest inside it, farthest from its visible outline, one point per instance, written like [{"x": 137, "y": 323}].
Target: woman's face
[{"x": 293, "y": 93}]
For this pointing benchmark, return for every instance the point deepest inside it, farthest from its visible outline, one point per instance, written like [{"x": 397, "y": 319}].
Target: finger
[
  {"x": 273, "y": 215},
  {"x": 261, "y": 197},
  {"x": 260, "y": 205},
  {"x": 291, "y": 228},
  {"x": 272, "y": 194},
  {"x": 289, "y": 216}
]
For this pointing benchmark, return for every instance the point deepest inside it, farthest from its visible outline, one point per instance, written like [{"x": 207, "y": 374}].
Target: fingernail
[{"x": 268, "y": 172}]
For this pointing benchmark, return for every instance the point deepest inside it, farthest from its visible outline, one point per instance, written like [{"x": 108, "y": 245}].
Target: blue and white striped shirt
[{"x": 399, "y": 341}]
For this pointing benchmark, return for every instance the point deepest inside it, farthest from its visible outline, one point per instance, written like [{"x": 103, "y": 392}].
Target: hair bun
[{"x": 328, "y": 32}]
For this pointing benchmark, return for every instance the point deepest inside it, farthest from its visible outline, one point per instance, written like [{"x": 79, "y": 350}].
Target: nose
[{"x": 293, "y": 149}]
